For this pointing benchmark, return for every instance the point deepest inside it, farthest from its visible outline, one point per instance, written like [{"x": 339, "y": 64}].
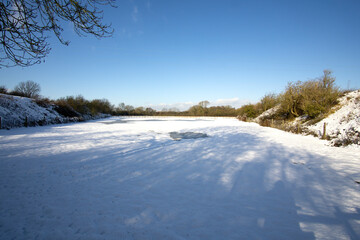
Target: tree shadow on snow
[{"x": 232, "y": 186}]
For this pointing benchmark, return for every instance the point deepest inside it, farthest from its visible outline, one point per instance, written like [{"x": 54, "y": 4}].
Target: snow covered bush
[{"x": 347, "y": 137}]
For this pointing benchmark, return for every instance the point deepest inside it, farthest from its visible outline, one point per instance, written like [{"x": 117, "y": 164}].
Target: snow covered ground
[
  {"x": 343, "y": 126},
  {"x": 128, "y": 179}
]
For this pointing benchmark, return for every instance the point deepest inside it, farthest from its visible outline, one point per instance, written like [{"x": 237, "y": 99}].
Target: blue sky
[{"x": 168, "y": 53}]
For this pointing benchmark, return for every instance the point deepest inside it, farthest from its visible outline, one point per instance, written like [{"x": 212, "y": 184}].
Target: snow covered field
[{"x": 126, "y": 178}]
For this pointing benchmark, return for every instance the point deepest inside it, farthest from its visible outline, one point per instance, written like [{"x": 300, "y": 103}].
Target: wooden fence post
[
  {"x": 324, "y": 131},
  {"x": 298, "y": 128},
  {"x": 0, "y": 122},
  {"x": 26, "y": 121}
]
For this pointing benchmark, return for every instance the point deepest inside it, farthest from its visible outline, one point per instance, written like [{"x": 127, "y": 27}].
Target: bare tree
[
  {"x": 3, "y": 89},
  {"x": 25, "y": 26},
  {"x": 204, "y": 104},
  {"x": 28, "y": 89},
  {"x": 121, "y": 106}
]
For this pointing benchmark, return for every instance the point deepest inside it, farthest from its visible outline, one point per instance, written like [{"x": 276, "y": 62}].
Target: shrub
[
  {"x": 319, "y": 95},
  {"x": 197, "y": 110},
  {"x": 312, "y": 98},
  {"x": 290, "y": 100},
  {"x": 221, "y": 111},
  {"x": 64, "y": 109},
  {"x": 3, "y": 90},
  {"x": 43, "y": 102},
  {"x": 268, "y": 101},
  {"x": 73, "y": 106},
  {"x": 78, "y": 103},
  {"x": 97, "y": 106},
  {"x": 248, "y": 111}
]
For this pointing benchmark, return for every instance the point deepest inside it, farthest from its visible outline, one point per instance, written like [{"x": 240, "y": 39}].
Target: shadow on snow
[{"x": 233, "y": 186}]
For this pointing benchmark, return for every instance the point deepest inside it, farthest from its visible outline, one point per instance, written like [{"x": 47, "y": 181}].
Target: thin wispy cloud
[
  {"x": 234, "y": 102},
  {"x": 135, "y": 14},
  {"x": 183, "y": 106},
  {"x": 148, "y": 5},
  {"x": 172, "y": 106}
]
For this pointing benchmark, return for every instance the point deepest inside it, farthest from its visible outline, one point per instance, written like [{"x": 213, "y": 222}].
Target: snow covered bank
[
  {"x": 131, "y": 180},
  {"x": 21, "y": 111},
  {"x": 343, "y": 126},
  {"x": 18, "y": 111}
]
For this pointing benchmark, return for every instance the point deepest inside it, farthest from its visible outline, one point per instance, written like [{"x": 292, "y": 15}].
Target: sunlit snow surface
[{"x": 128, "y": 179}]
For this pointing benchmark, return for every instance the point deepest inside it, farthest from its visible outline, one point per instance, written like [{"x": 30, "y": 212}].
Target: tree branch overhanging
[{"x": 25, "y": 26}]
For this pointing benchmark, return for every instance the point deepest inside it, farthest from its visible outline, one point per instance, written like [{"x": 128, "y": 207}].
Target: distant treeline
[
  {"x": 70, "y": 106},
  {"x": 311, "y": 98},
  {"x": 77, "y": 106}
]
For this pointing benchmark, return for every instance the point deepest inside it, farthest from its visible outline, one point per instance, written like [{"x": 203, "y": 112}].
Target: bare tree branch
[{"x": 25, "y": 26}]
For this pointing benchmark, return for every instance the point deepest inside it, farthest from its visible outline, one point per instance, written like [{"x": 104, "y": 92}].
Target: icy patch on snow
[
  {"x": 119, "y": 121},
  {"x": 187, "y": 135}
]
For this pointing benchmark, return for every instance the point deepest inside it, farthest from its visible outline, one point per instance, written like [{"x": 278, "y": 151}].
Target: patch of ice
[{"x": 187, "y": 135}]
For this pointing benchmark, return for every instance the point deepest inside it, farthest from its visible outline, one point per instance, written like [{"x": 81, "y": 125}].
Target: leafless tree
[
  {"x": 28, "y": 89},
  {"x": 204, "y": 104},
  {"x": 25, "y": 26},
  {"x": 3, "y": 89}
]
